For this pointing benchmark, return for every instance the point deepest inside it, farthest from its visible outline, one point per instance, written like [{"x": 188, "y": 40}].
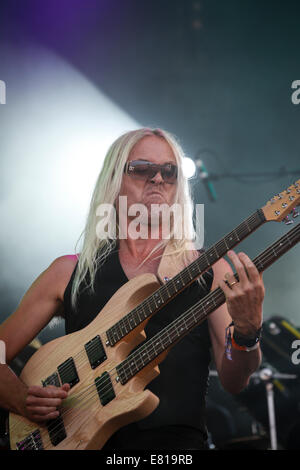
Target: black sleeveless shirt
[{"x": 183, "y": 380}]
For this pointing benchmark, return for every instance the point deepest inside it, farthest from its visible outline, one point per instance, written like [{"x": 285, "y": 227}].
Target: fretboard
[
  {"x": 172, "y": 287},
  {"x": 180, "y": 327}
]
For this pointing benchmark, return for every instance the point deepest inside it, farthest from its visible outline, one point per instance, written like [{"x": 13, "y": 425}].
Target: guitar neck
[
  {"x": 183, "y": 279},
  {"x": 176, "y": 330}
]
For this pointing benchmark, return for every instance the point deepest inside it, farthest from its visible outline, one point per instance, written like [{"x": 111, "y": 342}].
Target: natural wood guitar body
[{"x": 89, "y": 424}]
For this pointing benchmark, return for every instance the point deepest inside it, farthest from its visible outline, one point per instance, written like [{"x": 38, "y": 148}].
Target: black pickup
[{"x": 95, "y": 352}]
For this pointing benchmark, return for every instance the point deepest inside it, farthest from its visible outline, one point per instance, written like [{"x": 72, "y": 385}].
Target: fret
[
  {"x": 166, "y": 286},
  {"x": 189, "y": 273},
  {"x": 152, "y": 351},
  {"x": 203, "y": 308},
  {"x": 249, "y": 229},
  {"x": 184, "y": 320},
  {"x": 236, "y": 235},
  {"x": 157, "y": 301},
  {"x": 122, "y": 371},
  {"x": 213, "y": 300},
  {"x": 124, "y": 327},
  {"x": 131, "y": 365},
  {"x": 160, "y": 292},
  {"x": 156, "y": 347},
  {"x": 182, "y": 278},
  {"x": 215, "y": 248},
  {"x": 176, "y": 331},
  {"x": 224, "y": 241},
  {"x": 136, "y": 315},
  {"x": 230, "y": 238},
  {"x": 133, "y": 320},
  {"x": 175, "y": 284},
  {"x": 179, "y": 328},
  {"x": 194, "y": 316},
  {"x": 149, "y": 307},
  {"x": 116, "y": 334},
  {"x": 211, "y": 255},
  {"x": 194, "y": 267},
  {"x": 145, "y": 308},
  {"x": 146, "y": 353},
  {"x": 207, "y": 260},
  {"x": 140, "y": 363}
]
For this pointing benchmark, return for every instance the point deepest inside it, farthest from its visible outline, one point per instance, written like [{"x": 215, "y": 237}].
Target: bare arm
[
  {"x": 40, "y": 304},
  {"x": 244, "y": 307}
]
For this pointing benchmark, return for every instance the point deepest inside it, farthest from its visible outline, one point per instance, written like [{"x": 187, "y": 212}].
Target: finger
[
  {"x": 252, "y": 271},
  {"x": 41, "y": 410},
  {"x": 41, "y": 419},
  {"x": 231, "y": 280},
  {"x": 240, "y": 269},
  {"x": 32, "y": 400},
  {"x": 225, "y": 288},
  {"x": 47, "y": 392}
]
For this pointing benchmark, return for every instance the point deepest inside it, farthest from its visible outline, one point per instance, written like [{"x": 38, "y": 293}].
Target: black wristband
[{"x": 248, "y": 341}]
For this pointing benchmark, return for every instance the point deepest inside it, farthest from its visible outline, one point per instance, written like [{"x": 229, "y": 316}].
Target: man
[{"x": 145, "y": 166}]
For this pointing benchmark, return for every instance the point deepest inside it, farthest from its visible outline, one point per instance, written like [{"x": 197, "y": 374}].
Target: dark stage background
[{"x": 218, "y": 74}]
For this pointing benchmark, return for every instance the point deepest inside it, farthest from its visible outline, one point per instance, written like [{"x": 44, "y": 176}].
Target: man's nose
[{"x": 157, "y": 179}]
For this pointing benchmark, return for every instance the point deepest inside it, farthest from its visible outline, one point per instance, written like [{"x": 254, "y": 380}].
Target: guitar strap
[
  {"x": 173, "y": 261},
  {"x": 2, "y": 352}
]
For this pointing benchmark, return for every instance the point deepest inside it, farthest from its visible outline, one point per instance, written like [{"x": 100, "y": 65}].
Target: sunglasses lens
[
  {"x": 147, "y": 170},
  {"x": 141, "y": 170},
  {"x": 169, "y": 173}
]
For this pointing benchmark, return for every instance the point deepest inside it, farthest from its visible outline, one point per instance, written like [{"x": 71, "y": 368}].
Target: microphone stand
[{"x": 266, "y": 375}]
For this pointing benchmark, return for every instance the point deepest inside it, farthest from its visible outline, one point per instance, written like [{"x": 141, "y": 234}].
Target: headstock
[{"x": 284, "y": 203}]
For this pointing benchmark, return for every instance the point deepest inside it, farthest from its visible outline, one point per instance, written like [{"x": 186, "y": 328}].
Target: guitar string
[
  {"x": 200, "y": 319},
  {"x": 163, "y": 290}
]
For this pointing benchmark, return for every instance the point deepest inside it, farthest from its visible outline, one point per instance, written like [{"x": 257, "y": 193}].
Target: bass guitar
[{"x": 82, "y": 359}]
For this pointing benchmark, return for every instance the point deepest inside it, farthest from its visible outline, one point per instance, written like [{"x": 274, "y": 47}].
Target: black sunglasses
[{"x": 144, "y": 170}]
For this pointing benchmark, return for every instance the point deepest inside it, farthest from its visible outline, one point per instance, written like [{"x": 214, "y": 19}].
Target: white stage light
[
  {"x": 56, "y": 128},
  {"x": 188, "y": 167}
]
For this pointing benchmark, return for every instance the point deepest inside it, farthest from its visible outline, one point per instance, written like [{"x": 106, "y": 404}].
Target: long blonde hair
[{"x": 94, "y": 250}]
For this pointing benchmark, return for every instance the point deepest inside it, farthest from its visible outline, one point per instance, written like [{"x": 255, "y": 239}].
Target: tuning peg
[
  {"x": 287, "y": 221},
  {"x": 295, "y": 213}
]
